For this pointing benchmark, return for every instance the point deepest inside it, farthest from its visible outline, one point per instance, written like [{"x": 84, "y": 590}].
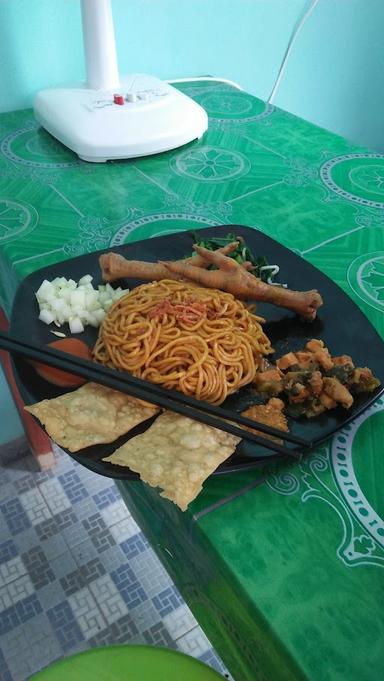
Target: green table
[{"x": 283, "y": 567}]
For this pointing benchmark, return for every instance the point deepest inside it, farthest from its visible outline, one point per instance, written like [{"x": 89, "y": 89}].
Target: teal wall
[{"x": 334, "y": 76}]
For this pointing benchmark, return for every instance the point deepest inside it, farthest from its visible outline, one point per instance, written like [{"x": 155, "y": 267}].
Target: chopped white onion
[
  {"x": 46, "y": 316},
  {"x": 99, "y": 314},
  {"x": 86, "y": 279},
  {"x": 75, "y": 325},
  {"x": 78, "y": 304}
]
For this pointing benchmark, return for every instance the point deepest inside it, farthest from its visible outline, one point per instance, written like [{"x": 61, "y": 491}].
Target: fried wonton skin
[
  {"x": 91, "y": 415},
  {"x": 176, "y": 454}
]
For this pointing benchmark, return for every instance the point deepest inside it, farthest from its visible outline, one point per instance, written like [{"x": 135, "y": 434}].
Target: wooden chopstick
[{"x": 150, "y": 392}]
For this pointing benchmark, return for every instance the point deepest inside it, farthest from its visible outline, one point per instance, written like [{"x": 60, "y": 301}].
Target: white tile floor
[{"x": 76, "y": 571}]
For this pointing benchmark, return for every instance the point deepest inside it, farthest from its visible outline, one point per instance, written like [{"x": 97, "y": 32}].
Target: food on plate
[
  {"x": 271, "y": 414},
  {"x": 90, "y": 415},
  {"x": 188, "y": 330},
  {"x": 202, "y": 342},
  {"x": 312, "y": 381},
  {"x": 78, "y": 303},
  {"x": 59, "y": 334},
  {"x": 114, "y": 266},
  {"x": 258, "y": 265},
  {"x": 229, "y": 276},
  {"x": 64, "y": 379},
  {"x": 235, "y": 279},
  {"x": 176, "y": 454}
]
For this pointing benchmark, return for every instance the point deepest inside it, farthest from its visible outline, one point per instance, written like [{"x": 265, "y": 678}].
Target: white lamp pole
[{"x": 99, "y": 45}]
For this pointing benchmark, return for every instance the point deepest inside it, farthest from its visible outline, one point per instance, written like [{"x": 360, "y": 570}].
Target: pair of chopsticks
[{"x": 172, "y": 400}]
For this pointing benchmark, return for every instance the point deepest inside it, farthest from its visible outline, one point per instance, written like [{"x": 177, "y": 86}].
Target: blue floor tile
[
  {"x": 128, "y": 586},
  {"x": 134, "y": 545},
  {"x": 73, "y": 486},
  {"x": 64, "y": 625},
  {"x": 15, "y": 516},
  {"x": 5, "y": 674},
  {"x": 106, "y": 496},
  {"x": 166, "y": 601},
  {"x": 77, "y": 572},
  {"x": 8, "y": 550}
]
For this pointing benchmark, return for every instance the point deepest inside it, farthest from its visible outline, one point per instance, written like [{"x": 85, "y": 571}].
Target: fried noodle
[{"x": 202, "y": 342}]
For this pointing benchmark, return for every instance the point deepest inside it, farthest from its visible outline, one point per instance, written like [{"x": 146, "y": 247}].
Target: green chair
[{"x": 128, "y": 663}]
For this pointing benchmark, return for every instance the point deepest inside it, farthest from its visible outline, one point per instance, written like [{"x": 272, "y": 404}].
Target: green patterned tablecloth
[{"x": 283, "y": 567}]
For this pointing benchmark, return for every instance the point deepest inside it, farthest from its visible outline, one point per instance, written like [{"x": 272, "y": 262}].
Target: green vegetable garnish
[{"x": 242, "y": 254}]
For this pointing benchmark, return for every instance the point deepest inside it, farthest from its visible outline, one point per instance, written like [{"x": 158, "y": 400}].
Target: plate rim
[{"x": 227, "y": 466}]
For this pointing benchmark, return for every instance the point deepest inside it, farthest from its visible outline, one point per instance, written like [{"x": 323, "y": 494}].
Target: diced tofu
[
  {"x": 338, "y": 392},
  {"x": 286, "y": 361},
  {"x": 324, "y": 358},
  {"x": 314, "y": 345}
]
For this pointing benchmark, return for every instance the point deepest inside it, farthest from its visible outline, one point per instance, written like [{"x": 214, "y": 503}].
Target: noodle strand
[{"x": 202, "y": 342}]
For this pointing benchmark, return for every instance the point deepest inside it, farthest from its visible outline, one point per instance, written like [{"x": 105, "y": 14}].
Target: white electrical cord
[
  {"x": 192, "y": 79},
  {"x": 288, "y": 51},
  {"x": 300, "y": 23}
]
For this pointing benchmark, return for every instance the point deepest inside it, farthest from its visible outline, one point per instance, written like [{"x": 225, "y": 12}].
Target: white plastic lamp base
[{"x": 143, "y": 116}]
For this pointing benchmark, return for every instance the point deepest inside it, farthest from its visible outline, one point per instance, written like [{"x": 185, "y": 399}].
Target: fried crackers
[
  {"x": 176, "y": 454},
  {"x": 91, "y": 415}
]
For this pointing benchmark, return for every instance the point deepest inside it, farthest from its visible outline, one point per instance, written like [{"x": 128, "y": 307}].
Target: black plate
[{"x": 340, "y": 324}]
